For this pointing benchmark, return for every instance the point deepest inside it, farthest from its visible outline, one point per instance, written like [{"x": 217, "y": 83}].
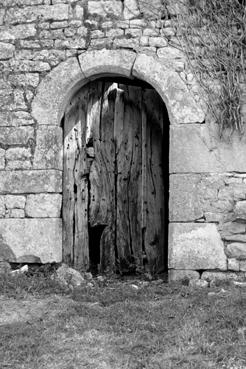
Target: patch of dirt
[{"x": 21, "y": 311}]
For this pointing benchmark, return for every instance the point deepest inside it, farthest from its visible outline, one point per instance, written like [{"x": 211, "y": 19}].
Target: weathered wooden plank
[
  {"x": 154, "y": 234},
  {"x": 102, "y": 195},
  {"x": 122, "y": 163},
  {"x": 75, "y": 189},
  {"x": 132, "y": 126},
  {"x": 107, "y": 244}
]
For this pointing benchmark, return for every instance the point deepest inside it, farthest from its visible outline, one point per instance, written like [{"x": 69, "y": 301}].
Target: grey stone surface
[
  {"x": 240, "y": 210},
  {"x": 43, "y": 206},
  {"x": 39, "y": 237},
  {"x": 15, "y": 213},
  {"x": 33, "y": 13},
  {"x": 104, "y": 8},
  {"x": 198, "y": 283},
  {"x": 16, "y": 136},
  {"x": 18, "y": 158},
  {"x": 68, "y": 277},
  {"x": 184, "y": 201},
  {"x": 181, "y": 106},
  {"x": 2, "y": 158},
  {"x": 236, "y": 250},
  {"x": 131, "y": 9},
  {"x": 6, "y": 51},
  {"x": 198, "y": 148},
  {"x": 30, "y": 181},
  {"x": 17, "y": 118},
  {"x": 195, "y": 246},
  {"x": 15, "y": 201},
  {"x": 99, "y": 62},
  {"x": 222, "y": 276},
  {"x": 233, "y": 264},
  {"x": 176, "y": 275},
  {"x": 54, "y": 91},
  {"x": 49, "y": 148},
  {"x": 2, "y": 207},
  {"x": 4, "y": 267},
  {"x": 242, "y": 265},
  {"x": 19, "y": 31}
]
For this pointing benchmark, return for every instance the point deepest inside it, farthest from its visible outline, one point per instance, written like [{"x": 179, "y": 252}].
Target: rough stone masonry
[{"x": 40, "y": 43}]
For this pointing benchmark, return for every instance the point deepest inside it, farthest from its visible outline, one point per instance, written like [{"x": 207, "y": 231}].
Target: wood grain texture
[
  {"x": 113, "y": 178},
  {"x": 154, "y": 234}
]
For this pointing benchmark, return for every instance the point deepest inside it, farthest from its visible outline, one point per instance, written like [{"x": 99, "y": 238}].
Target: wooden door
[{"x": 113, "y": 188}]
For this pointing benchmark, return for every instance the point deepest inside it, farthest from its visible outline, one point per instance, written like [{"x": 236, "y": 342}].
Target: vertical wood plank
[
  {"x": 122, "y": 161},
  {"x": 154, "y": 235},
  {"x": 102, "y": 194},
  {"x": 128, "y": 140},
  {"x": 75, "y": 185}
]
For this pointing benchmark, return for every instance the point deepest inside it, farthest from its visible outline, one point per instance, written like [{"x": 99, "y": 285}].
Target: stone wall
[{"x": 208, "y": 176}]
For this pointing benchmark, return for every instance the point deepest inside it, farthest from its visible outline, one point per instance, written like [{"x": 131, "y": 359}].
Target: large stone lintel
[{"x": 22, "y": 238}]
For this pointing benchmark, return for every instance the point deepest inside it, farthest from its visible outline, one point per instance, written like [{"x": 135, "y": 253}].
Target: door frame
[{"x": 59, "y": 85}]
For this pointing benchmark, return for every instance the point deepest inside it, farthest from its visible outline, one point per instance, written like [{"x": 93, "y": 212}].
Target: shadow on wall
[{"x": 6, "y": 253}]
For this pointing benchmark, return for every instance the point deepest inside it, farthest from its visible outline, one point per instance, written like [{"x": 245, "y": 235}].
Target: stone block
[
  {"x": 54, "y": 91},
  {"x": 176, "y": 275},
  {"x": 233, "y": 264},
  {"x": 24, "y": 80},
  {"x": 2, "y": 158},
  {"x": 30, "y": 181},
  {"x": 158, "y": 41},
  {"x": 151, "y": 10},
  {"x": 222, "y": 276},
  {"x": 43, "y": 206},
  {"x": 181, "y": 106},
  {"x": 16, "y": 136},
  {"x": 232, "y": 231},
  {"x": 98, "y": 62},
  {"x": 15, "y": 201},
  {"x": 240, "y": 210},
  {"x": 20, "y": 31},
  {"x": 17, "y": 118},
  {"x": 15, "y": 213},
  {"x": 104, "y": 8},
  {"x": 184, "y": 201},
  {"x": 6, "y": 50},
  {"x": 198, "y": 148},
  {"x": 18, "y": 158},
  {"x": 30, "y": 14},
  {"x": 195, "y": 246},
  {"x": 236, "y": 250},
  {"x": 49, "y": 148},
  {"x": 29, "y": 66},
  {"x": 131, "y": 9},
  {"x": 41, "y": 238},
  {"x": 2, "y": 207},
  {"x": 242, "y": 265}
]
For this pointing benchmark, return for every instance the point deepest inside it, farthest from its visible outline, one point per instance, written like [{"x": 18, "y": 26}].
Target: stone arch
[{"x": 62, "y": 82}]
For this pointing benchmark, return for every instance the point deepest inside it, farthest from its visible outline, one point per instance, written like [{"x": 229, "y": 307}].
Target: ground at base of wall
[{"x": 120, "y": 324}]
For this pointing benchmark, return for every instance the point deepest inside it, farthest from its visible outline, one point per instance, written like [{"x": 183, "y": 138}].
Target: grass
[{"x": 128, "y": 324}]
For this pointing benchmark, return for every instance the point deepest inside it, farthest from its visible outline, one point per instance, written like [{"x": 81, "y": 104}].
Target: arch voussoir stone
[
  {"x": 107, "y": 62},
  {"x": 59, "y": 85},
  {"x": 54, "y": 91},
  {"x": 182, "y": 107}
]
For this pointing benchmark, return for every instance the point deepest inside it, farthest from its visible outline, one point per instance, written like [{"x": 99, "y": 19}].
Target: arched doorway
[
  {"x": 57, "y": 87},
  {"x": 114, "y": 191}
]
